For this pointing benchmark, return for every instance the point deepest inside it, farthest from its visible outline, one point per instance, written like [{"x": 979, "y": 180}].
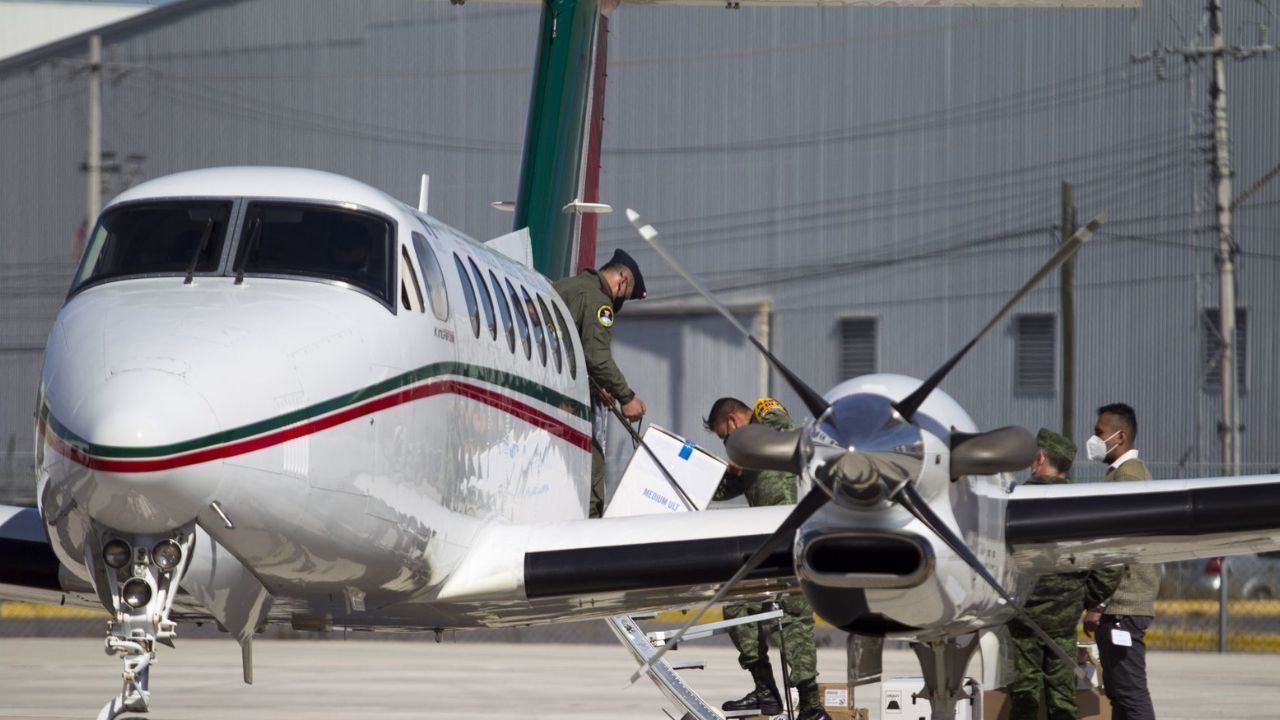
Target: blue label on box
[{"x": 686, "y": 452}]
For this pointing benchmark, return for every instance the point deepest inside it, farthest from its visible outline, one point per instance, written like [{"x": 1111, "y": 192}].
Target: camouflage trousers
[
  {"x": 1036, "y": 667},
  {"x": 796, "y": 638}
]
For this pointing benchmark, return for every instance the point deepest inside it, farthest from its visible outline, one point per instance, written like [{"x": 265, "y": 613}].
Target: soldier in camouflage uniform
[
  {"x": 594, "y": 297},
  {"x": 752, "y": 640},
  {"x": 1055, "y": 605}
]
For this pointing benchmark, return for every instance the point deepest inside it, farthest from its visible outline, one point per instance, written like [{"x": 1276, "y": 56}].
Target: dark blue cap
[{"x": 620, "y": 257}]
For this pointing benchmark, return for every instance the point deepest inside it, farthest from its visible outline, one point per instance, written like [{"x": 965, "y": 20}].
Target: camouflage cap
[{"x": 1055, "y": 443}]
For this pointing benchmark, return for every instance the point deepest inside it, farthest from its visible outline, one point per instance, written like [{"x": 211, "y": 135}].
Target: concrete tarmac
[{"x": 322, "y": 680}]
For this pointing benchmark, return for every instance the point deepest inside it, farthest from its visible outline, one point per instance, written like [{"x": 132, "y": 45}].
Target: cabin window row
[
  {"x": 529, "y": 323},
  {"x": 528, "y": 317}
]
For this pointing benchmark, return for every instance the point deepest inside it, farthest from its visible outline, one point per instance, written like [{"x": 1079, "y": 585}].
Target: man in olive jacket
[
  {"x": 594, "y": 298},
  {"x": 1121, "y": 618}
]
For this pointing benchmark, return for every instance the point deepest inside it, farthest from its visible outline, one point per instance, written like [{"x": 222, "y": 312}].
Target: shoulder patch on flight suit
[
  {"x": 765, "y": 405},
  {"x": 605, "y": 316}
]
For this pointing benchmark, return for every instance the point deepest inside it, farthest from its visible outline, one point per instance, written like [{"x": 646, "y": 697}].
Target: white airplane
[{"x": 281, "y": 396}]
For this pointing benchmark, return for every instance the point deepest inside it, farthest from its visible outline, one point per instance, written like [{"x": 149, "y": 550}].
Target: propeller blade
[
  {"x": 908, "y": 406},
  {"x": 808, "y": 505},
  {"x": 760, "y": 447},
  {"x": 812, "y": 399},
  {"x": 910, "y": 499}
]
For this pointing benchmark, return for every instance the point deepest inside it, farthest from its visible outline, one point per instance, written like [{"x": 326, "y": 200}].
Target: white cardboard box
[
  {"x": 897, "y": 701},
  {"x": 644, "y": 490}
]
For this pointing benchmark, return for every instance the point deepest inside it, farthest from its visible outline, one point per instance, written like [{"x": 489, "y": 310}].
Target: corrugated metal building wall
[{"x": 902, "y": 165}]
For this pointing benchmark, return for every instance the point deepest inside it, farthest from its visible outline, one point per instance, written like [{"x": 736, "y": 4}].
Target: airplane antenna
[{"x": 423, "y": 189}]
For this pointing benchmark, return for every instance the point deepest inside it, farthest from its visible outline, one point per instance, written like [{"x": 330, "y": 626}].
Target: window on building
[
  {"x": 857, "y": 347},
  {"x": 1034, "y": 353},
  {"x": 1211, "y": 323}
]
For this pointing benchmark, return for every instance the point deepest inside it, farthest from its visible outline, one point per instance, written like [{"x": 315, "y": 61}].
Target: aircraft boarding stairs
[
  {"x": 684, "y": 477},
  {"x": 666, "y": 675}
]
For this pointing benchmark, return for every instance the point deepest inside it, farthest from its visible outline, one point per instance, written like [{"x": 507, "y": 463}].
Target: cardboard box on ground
[
  {"x": 995, "y": 706},
  {"x": 837, "y": 701}
]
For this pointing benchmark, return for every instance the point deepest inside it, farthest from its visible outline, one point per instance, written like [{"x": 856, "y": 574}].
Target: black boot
[
  {"x": 810, "y": 702},
  {"x": 764, "y": 697}
]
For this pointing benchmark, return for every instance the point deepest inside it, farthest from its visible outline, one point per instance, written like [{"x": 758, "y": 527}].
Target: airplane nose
[{"x": 144, "y": 434}]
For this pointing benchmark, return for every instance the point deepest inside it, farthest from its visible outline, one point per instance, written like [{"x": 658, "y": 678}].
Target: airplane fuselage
[{"x": 355, "y": 434}]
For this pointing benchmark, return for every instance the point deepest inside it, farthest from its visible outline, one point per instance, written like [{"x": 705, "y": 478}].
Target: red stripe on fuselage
[{"x": 513, "y": 407}]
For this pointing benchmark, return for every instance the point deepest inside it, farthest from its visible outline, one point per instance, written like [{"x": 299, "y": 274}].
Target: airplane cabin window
[
  {"x": 553, "y": 335},
  {"x": 536, "y": 322},
  {"x": 503, "y": 310},
  {"x": 410, "y": 292},
  {"x": 469, "y": 293},
  {"x": 317, "y": 241},
  {"x": 155, "y": 238},
  {"x": 432, "y": 277},
  {"x": 517, "y": 309},
  {"x": 567, "y": 338},
  {"x": 485, "y": 299}
]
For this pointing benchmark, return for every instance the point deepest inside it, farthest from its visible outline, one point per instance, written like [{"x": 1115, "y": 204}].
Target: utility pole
[
  {"x": 1218, "y": 51},
  {"x": 1068, "y": 307},
  {"x": 1229, "y": 424},
  {"x": 93, "y": 163}
]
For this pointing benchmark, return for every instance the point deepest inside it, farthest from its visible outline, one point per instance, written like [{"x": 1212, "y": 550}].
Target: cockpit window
[
  {"x": 318, "y": 242},
  {"x": 155, "y": 238}
]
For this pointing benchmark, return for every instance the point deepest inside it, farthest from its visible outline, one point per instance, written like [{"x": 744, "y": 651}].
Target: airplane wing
[
  {"x": 1066, "y": 527},
  {"x": 28, "y": 568},
  {"x": 521, "y": 574}
]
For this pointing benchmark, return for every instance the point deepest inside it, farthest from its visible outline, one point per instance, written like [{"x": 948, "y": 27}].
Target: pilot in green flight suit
[
  {"x": 594, "y": 298},
  {"x": 768, "y": 487}
]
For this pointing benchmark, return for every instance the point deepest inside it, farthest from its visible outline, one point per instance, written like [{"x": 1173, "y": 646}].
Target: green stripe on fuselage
[{"x": 508, "y": 381}]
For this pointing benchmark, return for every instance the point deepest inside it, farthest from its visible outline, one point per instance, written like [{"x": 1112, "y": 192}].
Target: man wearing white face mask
[{"x": 1121, "y": 618}]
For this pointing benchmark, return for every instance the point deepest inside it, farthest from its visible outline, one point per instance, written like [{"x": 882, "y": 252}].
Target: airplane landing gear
[
  {"x": 136, "y": 577},
  {"x": 134, "y": 694},
  {"x": 942, "y": 662}
]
